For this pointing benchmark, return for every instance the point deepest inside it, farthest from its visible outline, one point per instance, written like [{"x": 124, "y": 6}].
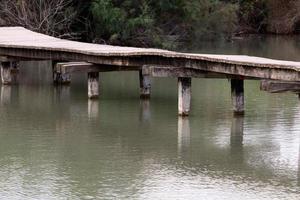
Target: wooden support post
[
  {"x": 93, "y": 85},
  {"x": 145, "y": 83},
  {"x": 237, "y": 96},
  {"x": 59, "y": 77},
  {"x": 184, "y": 95},
  {"x": 9, "y": 73}
]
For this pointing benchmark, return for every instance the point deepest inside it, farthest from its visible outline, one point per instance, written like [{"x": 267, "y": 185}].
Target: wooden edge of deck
[
  {"x": 279, "y": 86},
  {"x": 175, "y": 72},
  {"x": 73, "y": 67}
]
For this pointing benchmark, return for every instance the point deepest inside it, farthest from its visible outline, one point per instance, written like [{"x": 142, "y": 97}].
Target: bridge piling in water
[
  {"x": 9, "y": 72},
  {"x": 237, "y": 96},
  {"x": 93, "y": 85},
  {"x": 184, "y": 95},
  {"x": 145, "y": 83},
  {"x": 60, "y": 78}
]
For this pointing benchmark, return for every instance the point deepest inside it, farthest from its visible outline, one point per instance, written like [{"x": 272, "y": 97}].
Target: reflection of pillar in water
[
  {"x": 237, "y": 136},
  {"x": 184, "y": 134},
  {"x": 298, "y": 174},
  {"x": 62, "y": 93},
  {"x": 145, "y": 113},
  {"x": 93, "y": 108},
  {"x": 5, "y": 94}
]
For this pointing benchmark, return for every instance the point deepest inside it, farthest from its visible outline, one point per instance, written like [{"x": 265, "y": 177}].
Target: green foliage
[
  {"x": 253, "y": 14},
  {"x": 211, "y": 19},
  {"x": 126, "y": 22},
  {"x": 163, "y": 23},
  {"x": 148, "y": 23}
]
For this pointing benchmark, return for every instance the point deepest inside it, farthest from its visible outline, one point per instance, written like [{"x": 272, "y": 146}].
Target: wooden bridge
[{"x": 19, "y": 44}]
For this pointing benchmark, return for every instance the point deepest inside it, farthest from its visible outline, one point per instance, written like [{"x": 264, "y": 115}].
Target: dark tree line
[{"x": 151, "y": 23}]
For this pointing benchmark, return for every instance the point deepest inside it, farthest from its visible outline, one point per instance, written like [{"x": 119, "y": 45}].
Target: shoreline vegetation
[{"x": 164, "y": 24}]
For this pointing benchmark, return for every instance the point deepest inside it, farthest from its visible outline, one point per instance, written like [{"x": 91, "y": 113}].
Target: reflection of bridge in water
[{"x": 232, "y": 159}]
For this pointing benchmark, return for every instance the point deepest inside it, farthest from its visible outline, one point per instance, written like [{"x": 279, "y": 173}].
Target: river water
[{"x": 56, "y": 144}]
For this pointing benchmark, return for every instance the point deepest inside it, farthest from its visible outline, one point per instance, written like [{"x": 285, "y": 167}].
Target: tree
[{"x": 52, "y": 17}]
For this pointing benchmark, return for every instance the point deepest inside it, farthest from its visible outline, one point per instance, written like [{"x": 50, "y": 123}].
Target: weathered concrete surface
[
  {"x": 9, "y": 73},
  {"x": 20, "y": 43},
  {"x": 184, "y": 95},
  {"x": 78, "y": 67},
  {"x": 60, "y": 78},
  {"x": 145, "y": 83},
  {"x": 279, "y": 86},
  {"x": 237, "y": 95},
  {"x": 93, "y": 85}
]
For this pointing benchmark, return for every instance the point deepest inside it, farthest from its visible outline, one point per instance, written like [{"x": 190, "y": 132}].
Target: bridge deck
[{"x": 21, "y": 38}]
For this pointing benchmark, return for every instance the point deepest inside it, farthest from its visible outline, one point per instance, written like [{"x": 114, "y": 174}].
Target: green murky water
[{"x": 56, "y": 144}]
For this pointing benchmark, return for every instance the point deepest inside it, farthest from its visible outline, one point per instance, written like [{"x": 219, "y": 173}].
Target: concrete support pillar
[
  {"x": 145, "y": 83},
  {"x": 93, "y": 85},
  {"x": 59, "y": 77},
  {"x": 237, "y": 96},
  {"x": 184, "y": 96},
  {"x": 9, "y": 73}
]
